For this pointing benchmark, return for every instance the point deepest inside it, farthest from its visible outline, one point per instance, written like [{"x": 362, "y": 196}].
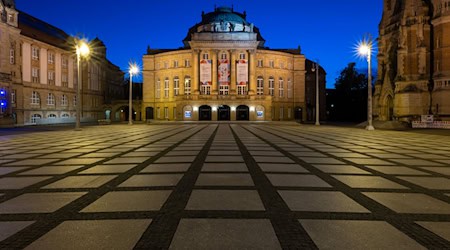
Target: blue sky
[{"x": 326, "y": 30}]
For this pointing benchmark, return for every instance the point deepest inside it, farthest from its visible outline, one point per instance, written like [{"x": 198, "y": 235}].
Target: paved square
[{"x": 277, "y": 185}]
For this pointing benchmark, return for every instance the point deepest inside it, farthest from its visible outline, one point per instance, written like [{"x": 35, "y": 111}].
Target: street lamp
[
  {"x": 83, "y": 51},
  {"x": 316, "y": 69},
  {"x": 365, "y": 50},
  {"x": 133, "y": 70}
]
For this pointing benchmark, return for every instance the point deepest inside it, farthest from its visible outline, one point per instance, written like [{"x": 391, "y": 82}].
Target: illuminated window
[
  {"x": 224, "y": 89},
  {"x": 166, "y": 88},
  {"x": 281, "y": 87},
  {"x": 64, "y": 101},
  {"x": 35, "y": 53},
  {"x": 242, "y": 89},
  {"x": 158, "y": 89},
  {"x": 187, "y": 86},
  {"x": 205, "y": 89}
]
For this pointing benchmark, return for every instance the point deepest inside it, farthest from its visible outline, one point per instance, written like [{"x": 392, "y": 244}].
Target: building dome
[{"x": 225, "y": 15}]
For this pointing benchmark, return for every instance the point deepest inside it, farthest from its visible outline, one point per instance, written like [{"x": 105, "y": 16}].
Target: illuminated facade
[
  {"x": 38, "y": 73},
  {"x": 224, "y": 73},
  {"x": 413, "y": 60}
]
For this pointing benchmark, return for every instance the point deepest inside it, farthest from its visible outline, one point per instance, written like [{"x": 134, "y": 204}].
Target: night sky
[{"x": 326, "y": 30}]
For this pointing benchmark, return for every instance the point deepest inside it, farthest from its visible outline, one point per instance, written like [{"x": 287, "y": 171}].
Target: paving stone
[
  {"x": 127, "y": 160},
  {"x": 98, "y": 155},
  {"x": 38, "y": 202},
  {"x": 140, "y": 154},
  {"x": 20, "y": 182},
  {"x": 320, "y": 160},
  {"x": 171, "y": 167},
  {"x": 7, "y": 170},
  {"x": 59, "y": 156},
  {"x": 81, "y": 182},
  {"x": 128, "y": 201},
  {"x": 288, "y": 180},
  {"x": 417, "y": 162},
  {"x": 30, "y": 162},
  {"x": 224, "y": 180},
  {"x": 20, "y": 156},
  {"x": 320, "y": 201},
  {"x": 440, "y": 228},
  {"x": 94, "y": 234},
  {"x": 340, "y": 169},
  {"x": 429, "y": 182},
  {"x": 223, "y": 153},
  {"x": 397, "y": 170},
  {"x": 224, "y": 167},
  {"x": 182, "y": 153},
  {"x": 9, "y": 228},
  {"x": 340, "y": 234},
  {"x": 224, "y": 159},
  {"x": 152, "y": 180},
  {"x": 280, "y": 167},
  {"x": 272, "y": 159},
  {"x": 265, "y": 153},
  {"x": 51, "y": 170},
  {"x": 440, "y": 170},
  {"x": 80, "y": 161},
  {"x": 225, "y": 234},
  {"x": 370, "y": 161},
  {"x": 367, "y": 182},
  {"x": 390, "y": 156},
  {"x": 410, "y": 203},
  {"x": 108, "y": 169},
  {"x": 240, "y": 200}
]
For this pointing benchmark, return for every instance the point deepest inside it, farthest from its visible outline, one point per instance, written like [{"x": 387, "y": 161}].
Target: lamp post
[
  {"x": 133, "y": 70},
  {"x": 83, "y": 51},
  {"x": 316, "y": 69},
  {"x": 365, "y": 49}
]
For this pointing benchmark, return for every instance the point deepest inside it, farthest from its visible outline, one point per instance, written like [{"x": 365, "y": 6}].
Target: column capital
[
  {"x": 196, "y": 51},
  {"x": 252, "y": 51}
]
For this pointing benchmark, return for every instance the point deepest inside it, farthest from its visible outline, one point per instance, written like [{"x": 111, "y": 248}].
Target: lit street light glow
[
  {"x": 364, "y": 49},
  {"x": 83, "y": 51},
  {"x": 133, "y": 70}
]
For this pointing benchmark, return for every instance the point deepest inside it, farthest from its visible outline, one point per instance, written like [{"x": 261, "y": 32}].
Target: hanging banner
[
  {"x": 224, "y": 72},
  {"x": 205, "y": 72},
  {"x": 242, "y": 72}
]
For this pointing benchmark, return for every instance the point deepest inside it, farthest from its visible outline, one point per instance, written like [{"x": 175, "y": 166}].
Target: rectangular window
[
  {"x": 158, "y": 89},
  {"x": 12, "y": 56},
  {"x": 35, "y": 75},
  {"x": 166, "y": 113},
  {"x": 281, "y": 88},
  {"x": 158, "y": 66},
  {"x": 206, "y": 56},
  {"x": 75, "y": 101},
  {"x": 176, "y": 86},
  {"x": 224, "y": 89},
  {"x": 174, "y": 113},
  {"x": 242, "y": 56},
  {"x": 187, "y": 86},
  {"x": 260, "y": 86},
  {"x": 158, "y": 113},
  {"x": 51, "y": 58},
  {"x": 166, "y": 65},
  {"x": 242, "y": 89},
  {"x": 35, "y": 98},
  {"x": 64, "y": 62},
  {"x": 281, "y": 65},
  {"x": 260, "y": 63},
  {"x": 175, "y": 64},
  {"x": 64, "y": 80},
  {"x": 35, "y": 53},
  {"x": 271, "y": 86},
  {"x": 13, "y": 96},
  {"x": 51, "y": 77},
  {"x": 166, "y": 88},
  {"x": 11, "y": 18},
  {"x": 281, "y": 115},
  {"x": 50, "y": 99},
  {"x": 289, "y": 113},
  {"x": 64, "y": 101},
  {"x": 289, "y": 91},
  {"x": 271, "y": 64},
  {"x": 187, "y": 63},
  {"x": 223, "y": 56},
  {"x": 205, "y": 90}
]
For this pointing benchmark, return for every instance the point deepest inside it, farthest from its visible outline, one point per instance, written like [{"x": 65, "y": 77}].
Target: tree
[{"x": 351, "y": 95}]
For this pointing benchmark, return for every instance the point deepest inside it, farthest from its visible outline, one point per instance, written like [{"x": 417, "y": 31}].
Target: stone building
[
  {"x": 413, "y": 60},
  {"x": 224, "y": 72},
  {"x": 38, "y": 72}
]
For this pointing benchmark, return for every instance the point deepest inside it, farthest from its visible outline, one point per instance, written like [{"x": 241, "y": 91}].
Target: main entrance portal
[
  {"x": 223, "y": 113},
  {"x": 242, "y": 113},
  {"x": 204, "y": 113}
]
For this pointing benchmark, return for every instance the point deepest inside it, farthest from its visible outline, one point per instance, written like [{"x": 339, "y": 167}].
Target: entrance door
[
  {"x": 223, "y": 113},
  {"x": 298, "y": 114},
  {"x": 204, "y": 113},
  {"x": 149, "y": 113},
  {"x": 242, "y": 113}
]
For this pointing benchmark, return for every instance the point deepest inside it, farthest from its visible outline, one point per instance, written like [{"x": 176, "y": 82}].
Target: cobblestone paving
[{"x": 224, "y": 186}]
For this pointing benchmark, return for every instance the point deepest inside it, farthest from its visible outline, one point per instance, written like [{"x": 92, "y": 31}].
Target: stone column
[
  {"x": 195, "y": 67},
  {"x": 233, "y": 72},
  {"x": 214, "y": 90},
  {"x": 252, "y": 70}
]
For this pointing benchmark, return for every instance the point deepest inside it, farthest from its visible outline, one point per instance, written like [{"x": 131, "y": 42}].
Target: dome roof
[{"x": 223, "y": 14}]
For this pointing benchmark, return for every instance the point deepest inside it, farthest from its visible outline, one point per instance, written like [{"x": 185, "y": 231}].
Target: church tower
[{"x": 413, "y": 60}]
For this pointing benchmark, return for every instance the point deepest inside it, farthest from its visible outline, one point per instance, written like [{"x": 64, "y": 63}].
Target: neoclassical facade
[
  {"x": 224, "y": 73},
  {"x": 413, "y": 60},
  {"x": 38, "y": 73}
]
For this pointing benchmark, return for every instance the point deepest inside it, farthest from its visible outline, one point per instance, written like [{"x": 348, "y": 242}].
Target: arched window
[
  {"x": 35, "y": 99},
  {"x": 176, "y": 86},
  {"x": 35, "y": 118},
  {"x": 65, "y": 115},
  {"x": 187, "y": 85},
  {"x": 51, "y": 116}
]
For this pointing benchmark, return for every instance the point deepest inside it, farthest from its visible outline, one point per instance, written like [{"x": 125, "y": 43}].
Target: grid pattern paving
[{"x": 224, "y": 186}]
